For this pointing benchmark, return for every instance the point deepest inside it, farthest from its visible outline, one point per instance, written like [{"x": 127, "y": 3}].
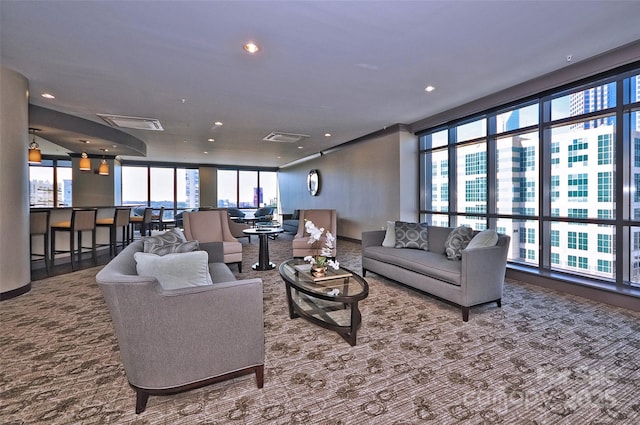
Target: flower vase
[{"x": 317, "y": 271}]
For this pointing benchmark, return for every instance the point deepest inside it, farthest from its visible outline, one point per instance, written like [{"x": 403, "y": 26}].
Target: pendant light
[
  {"x": 85, "y": 162},
  {"x": 35, "y": 156},
  {"x": 103, "y": 170}
]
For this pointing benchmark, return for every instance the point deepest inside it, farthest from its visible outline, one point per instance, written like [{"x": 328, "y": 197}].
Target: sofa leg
[
  {"x": 141, "y": 401},
  {"x": 239, "y": 263},
  {"x": 260, "y": 376},
  {"x": 465, "y": 314},
  {"x": 499, "y": 302},
  {"x": 364, "y": 272}
]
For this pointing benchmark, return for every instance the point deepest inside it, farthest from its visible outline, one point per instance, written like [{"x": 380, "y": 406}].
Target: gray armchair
[{"x": 177, "y": 340}]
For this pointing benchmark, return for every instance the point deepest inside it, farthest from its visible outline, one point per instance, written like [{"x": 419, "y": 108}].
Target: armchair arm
[{"x": 372, "y": 238}]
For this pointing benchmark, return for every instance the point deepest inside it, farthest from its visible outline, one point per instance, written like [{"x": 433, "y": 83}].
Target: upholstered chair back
[{"x": 207, "y": 226}]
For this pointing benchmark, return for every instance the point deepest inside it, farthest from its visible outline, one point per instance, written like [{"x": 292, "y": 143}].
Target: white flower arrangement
[{"x": 320, "y": 259}]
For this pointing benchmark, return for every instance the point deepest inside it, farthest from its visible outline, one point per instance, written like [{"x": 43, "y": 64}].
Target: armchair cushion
[{"x": 175, "y": 271}]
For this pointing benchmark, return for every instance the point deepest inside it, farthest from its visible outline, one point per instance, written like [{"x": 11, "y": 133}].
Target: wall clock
[{"x": 313, "y": 182}]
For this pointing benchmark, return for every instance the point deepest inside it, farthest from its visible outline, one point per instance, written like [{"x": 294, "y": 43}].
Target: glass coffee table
[{"x": 330, "y": 302}]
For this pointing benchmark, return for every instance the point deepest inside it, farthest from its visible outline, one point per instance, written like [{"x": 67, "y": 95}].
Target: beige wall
[
  {"x": 208, "y": 186},
  {"x": 368, "y": 183},
  {"x": 14, "y": 182},
  {"x": 93, "y": 190}
]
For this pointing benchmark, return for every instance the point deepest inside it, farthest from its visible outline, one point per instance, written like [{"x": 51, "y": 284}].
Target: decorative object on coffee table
[{"x": 320, "y": 260}]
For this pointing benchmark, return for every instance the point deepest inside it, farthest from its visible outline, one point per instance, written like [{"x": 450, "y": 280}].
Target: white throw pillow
[
  {"x": 485, "y": 238},
  {"x": 175, "y": 271},
  {"x": 390, "y": 237}
]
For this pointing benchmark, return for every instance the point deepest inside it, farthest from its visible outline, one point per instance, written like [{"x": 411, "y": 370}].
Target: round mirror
[{"x": 313, "y": 182}]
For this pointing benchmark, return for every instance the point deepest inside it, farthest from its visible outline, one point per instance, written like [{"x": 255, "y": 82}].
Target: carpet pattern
[{"x": 543, "y": 358}]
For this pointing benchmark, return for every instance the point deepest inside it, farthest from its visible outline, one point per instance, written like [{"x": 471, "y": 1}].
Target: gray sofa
[
  {"x": 476, "y": 279},
  {"x": 180, "y": 339}
]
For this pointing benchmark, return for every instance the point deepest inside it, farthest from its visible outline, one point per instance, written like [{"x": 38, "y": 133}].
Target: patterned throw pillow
[
  {"x": 173, "y": 248},
  {"x": 411, "y": 235},
  {"x": 458, "y": 240},
  {"x": 171, "y": 237}
]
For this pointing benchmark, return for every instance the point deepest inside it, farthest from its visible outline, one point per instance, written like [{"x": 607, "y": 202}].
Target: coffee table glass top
[{"x": 346, "y": 284}]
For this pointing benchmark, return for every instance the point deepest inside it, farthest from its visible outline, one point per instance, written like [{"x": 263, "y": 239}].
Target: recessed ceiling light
[
  {"x": 218, "y": 123},
  {"x": 211, "y": 140},
  {"x": 327, "y": 134},
  {"x": 205, "y": 152},
  {"x": 184, "y": 141},
  {"x": 85, "y": 141},
  {"x": 251, "y": 47},
  {"x": 299, "y": 147},
  {"x": 429, "y": 88},
  {"x": 48, "y": 96}
]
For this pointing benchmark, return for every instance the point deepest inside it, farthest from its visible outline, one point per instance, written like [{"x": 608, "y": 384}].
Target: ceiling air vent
[
  {"x": 277, "y": 136},
  {"x": 136, "y": 123}
]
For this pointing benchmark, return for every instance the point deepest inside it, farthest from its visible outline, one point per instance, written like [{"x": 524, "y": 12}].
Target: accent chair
[
  {"x": 321, "y": 218},
  {"x": 212, "y": 227}
]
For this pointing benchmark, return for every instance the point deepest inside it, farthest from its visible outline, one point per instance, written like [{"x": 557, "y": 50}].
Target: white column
[{"x": 14, "y": 184}]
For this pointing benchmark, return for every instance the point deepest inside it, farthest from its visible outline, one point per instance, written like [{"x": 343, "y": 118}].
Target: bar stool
[
  {"x": 143, "y": 221},
  {"x": 82, "y": 220},
  {"x": 120, "y": 219},
  {"x": 39, "y": 225}
]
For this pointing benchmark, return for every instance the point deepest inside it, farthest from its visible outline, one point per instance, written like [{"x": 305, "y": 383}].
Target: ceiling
[{"x": 348, "y": 68}]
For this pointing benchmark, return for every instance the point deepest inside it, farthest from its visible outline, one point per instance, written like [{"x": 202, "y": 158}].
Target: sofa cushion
[
  {"x": 424, "y": 262},
  {"x": 390, "y": 236},
  {"x": 411, "y": 235},
  {"x": 458, "y": 240},
  {"x": 173, "y": 248},
  {"x": 174, "y": 271},
  {"x": 485, "y": 238},
  {"x": 170, "y": 237}
]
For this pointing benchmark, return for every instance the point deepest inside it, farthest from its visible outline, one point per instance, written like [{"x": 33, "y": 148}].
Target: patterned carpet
[{"x": 543, "y": 358}]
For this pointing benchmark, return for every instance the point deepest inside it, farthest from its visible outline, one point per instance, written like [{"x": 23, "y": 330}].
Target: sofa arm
[
  {"x": 482, "y": 274},
  {"x": 372, "y": 238},
  {"x": 215, "y": 251}
]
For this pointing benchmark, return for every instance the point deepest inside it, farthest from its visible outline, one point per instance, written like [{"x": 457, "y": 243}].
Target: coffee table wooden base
[{"x": 331, "y": 304}]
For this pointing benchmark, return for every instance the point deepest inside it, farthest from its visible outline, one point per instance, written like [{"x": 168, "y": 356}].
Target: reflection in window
[{"x": 574, "y": 159}]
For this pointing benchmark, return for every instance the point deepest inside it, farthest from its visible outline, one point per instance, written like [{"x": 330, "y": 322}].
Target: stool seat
[{"x": 62, "y": 224}]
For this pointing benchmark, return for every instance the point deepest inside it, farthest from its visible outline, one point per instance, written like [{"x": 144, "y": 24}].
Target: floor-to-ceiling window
[
  {"x": 247, "y": 189},
  {"x": 176, "y": 189},
  {"x": 559, "y": 173},
  {"x": 50, "y": 183}
]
